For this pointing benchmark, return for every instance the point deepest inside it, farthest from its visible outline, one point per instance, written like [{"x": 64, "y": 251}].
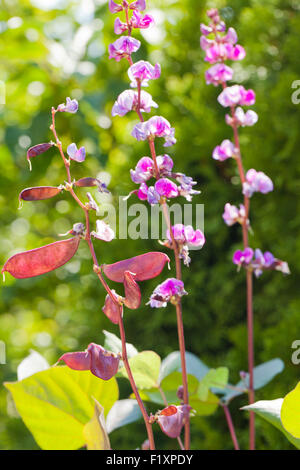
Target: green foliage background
[{"x": 61, "y": 311}]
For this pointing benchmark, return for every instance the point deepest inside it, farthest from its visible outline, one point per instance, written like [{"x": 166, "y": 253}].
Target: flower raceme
[
  {"x": 103, "y": 364},
  {"x": 168, "y": 291}
]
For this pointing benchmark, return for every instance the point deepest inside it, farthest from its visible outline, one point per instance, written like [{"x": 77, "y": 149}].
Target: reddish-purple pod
[
  {"x": 39, "y": 193},
  {"x": 41, "y": 260},
  {"x": 87, "y": 182},
  {"x": 38, "y": 150},
  {"x": 103, "y": 364},
  {"x": 146, "y": 266},
  {"x": 132, "y": 291},
  {"x": 110, "y": 309}
]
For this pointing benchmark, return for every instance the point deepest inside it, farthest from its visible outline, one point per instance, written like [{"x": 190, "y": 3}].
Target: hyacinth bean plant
[
  {"x": 182, "y": 386},
  {"x": 220, "y": 45}
]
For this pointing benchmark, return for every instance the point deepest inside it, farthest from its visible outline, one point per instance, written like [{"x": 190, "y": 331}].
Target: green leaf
[
  {"x": 204, "y": 407},
  {"x": 290, "y": 412},
  {"x": 114, "y": 344},
  {"x": 94, "y": 432},
  {"x": 145, "y": 367},
  {"x": 214, "y": 378},
  {"x": 263, "y": 374},
  {"x": 270, "y": 411},
  {"x": 172, "y": 363},
  {"x": 122, "y": 412},
  {"x": 61, "y": 404}
]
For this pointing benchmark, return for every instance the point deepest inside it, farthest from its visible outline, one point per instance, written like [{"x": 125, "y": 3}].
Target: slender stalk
[
  {"x": 97, "y": 269},
  {"x": 231, "y": 427}
]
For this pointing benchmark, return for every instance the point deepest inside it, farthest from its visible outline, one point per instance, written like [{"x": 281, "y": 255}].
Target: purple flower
[
  {"x": 168, "y": 291},
  {"x": 103, "y": 231},
  {"x": 186, "y": 186},
  {"x": 114, "y": 7},
  {"x": 257, "y": 181},
  {"x": 231, "y": 36},
  {"x": 224, "y": 151},
  {"x": 143, "y": 71},
  {"x": 165, "y": 187},
  {"x": 153, "y": 197},
  {"x": 165, "y": 164},
  {"x": 143, "y": 192},
  {"x": 217, "y": 74},
  {"x": 119, "y": 27},
  {"x": 75, "y": 154},
  {"x": 138, "y": 5},
  {"x": 156, "y": 126},
  {"x": 236, "y": 94},
  {"x": 123, "y": 47},
  {"x": 71, "y": 106},
  {"x": 186, "y": 237},
  {"x": 92, "y": 203},
  {"x": 265, "y": 261},
  {"x": 140, "y": 21},
  {"x": 243, "y": 258},
  {"x": 172, "y": 419},
  {"x": 206, "y": 30},
  {"x": 218, "y": 52},
  {"x": 232, "y": 214},
  {"x": 128, "y": 101},
  {"x": 101, "y": 363}
]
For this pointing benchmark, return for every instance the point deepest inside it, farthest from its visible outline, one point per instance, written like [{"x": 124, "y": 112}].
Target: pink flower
[
  {"x": 206, "y": 30},
  {"x": 231, "y": 36},
  {"x": 140, "y": 21},
  {"x": 185, "y": 234},
  {"x": 103, "y": 232},
  {"x": 165, "y": 187},
  {"x": 217, "y": 74},
  {"x": 236, "y": 94},
  {"x": 138, "y": 5},
  {"x": 143, "y": 170},
  {"x": 128, "y": 101},
  {"x": 119, "y": 27},
  {"x": 143, "y": 71},
  {"x": 123, "y": 47},
  {"x": 101, "y": 363},
  {"x": 168, "y": 291},
  {"x": 232, "y": 214},
  {"x": 243, "y": 119},
  {"x": 114, "y": 7},
  {"x": 257, "y": 181},
  {"x": 224, "y": 151},
  {"x": 243, "y": 258},
  {"x": 172, "y": 418},
  {"x": 156, "y": 126},
  {"x": 78, "y": 155}
]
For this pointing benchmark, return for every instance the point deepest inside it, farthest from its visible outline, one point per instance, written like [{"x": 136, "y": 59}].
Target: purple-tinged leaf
[
  {"x": 132, "y": 291},
  {"x": 41, "y": 260},
  {"x": 38, "y": 150},
  {"x": 146, "y": 266}
]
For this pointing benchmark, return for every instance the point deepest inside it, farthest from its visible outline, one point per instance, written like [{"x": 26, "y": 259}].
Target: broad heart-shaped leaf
[
  {"x": 146, "y": 266},
  {"x": 41, "y": 260},
  {"x": 263, "y": 374},
  {"x": 290, "y": 412},
  {"x": 57, "y": 403},
  {"x": 214, "y": 378},
  {"x": 204, "y": 407},
  {"x": 145, "y": 368},
  {"x": 270, "y": 411},
  {"x": 172, "y": 363},
  {"x": 169, "y": 386},
  {"x": 114, "y": 344},
  {"x": 94, "y": 432},
  {"x": 122, "y": 412}
]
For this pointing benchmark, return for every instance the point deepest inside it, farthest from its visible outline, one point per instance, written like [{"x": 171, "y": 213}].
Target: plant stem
[
  {"x": 106, "y": 287},
  {"x": 231, "y": 427}
]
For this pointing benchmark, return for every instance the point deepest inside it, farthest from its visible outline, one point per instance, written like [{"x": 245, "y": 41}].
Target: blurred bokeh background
[{"x": 50, "y": 49}]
